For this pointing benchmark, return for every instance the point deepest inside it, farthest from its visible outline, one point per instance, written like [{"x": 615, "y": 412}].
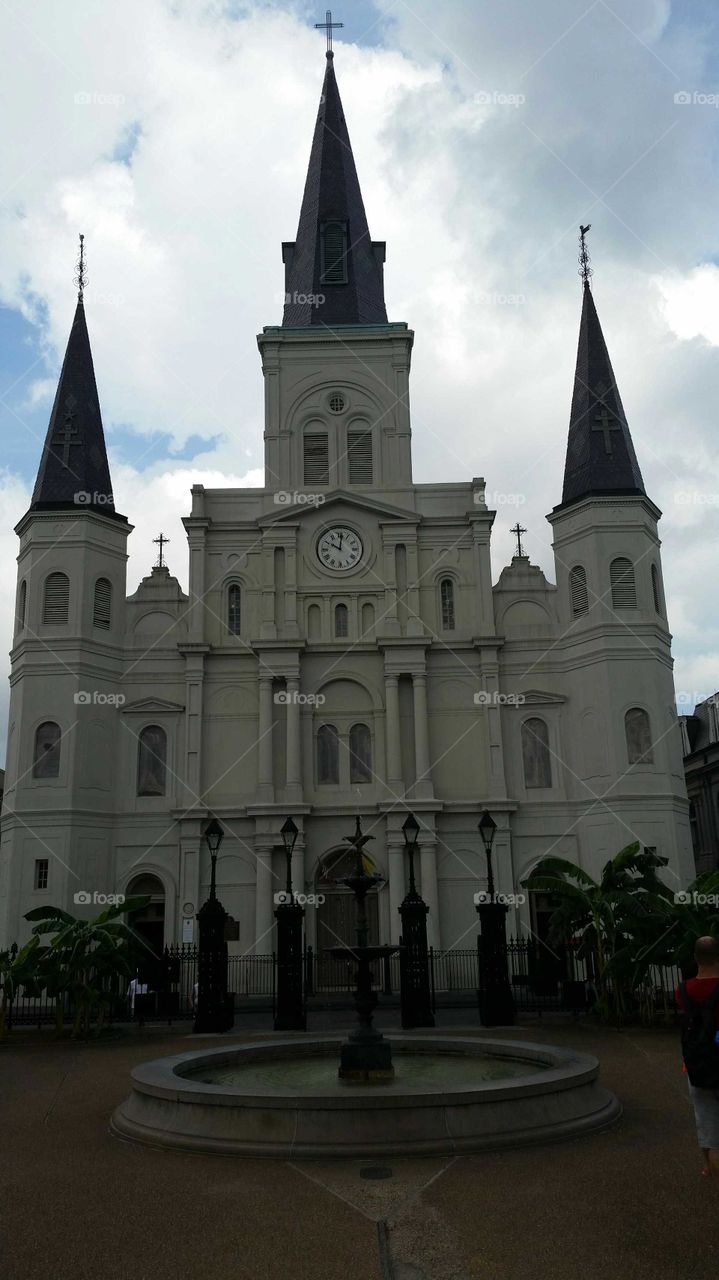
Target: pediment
[
  {"x": 145, "y": 705},
  {"x": 539, "y": 698},
  {"x": 297, "y": 510}
]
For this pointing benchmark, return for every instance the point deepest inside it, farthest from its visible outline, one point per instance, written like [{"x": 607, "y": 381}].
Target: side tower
[
  {"x": 66, "y": 661},
  {"x": 625, "y": 764}
]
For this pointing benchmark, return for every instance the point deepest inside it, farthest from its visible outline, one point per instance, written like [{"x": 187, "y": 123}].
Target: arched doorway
[
  {"x": 336, "y": 915},
  {"x": 150, "y": 922}
]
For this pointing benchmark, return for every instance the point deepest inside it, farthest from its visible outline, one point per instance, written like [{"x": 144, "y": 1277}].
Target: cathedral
[{"x": 342, "y": 650}]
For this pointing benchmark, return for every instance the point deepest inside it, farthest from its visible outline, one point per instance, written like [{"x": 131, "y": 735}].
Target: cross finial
[
  {"x": 585, "y": 270},
  {"x": 329, "y": 26},
  {"x": 518, "y": 530},
  {"x": 80, "y": 271},
  {"x": 162, "y": 541}
]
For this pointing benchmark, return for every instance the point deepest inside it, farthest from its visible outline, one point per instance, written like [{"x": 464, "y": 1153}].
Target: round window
[{"x": 336, "y": 402}]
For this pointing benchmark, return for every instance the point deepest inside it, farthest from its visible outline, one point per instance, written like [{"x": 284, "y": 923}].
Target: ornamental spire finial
[
  {"x": 328, "y": 25},
  {"x": 585, "y": 270},
  {"x": 81, "y": 271}
]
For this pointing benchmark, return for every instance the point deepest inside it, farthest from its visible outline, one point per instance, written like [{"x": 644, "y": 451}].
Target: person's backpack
[{"x": 699, "y": 1047}]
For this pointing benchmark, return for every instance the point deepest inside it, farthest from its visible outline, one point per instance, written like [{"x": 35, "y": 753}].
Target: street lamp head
[
  {"x": 214, "y": 834},
  {"x": 487, "y": 828},
  {"x": 410, "y": 830},
  {"x": 289, "y": 832}
]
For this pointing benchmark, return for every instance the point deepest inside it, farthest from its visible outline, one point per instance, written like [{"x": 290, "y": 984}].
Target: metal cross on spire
[
  {"x": 585, "y": 270},
  {"x": 329, "y": 26},
  {"x": 518, "y": 530},
  {"x": 162, "y": 541},
  {"x": 81, "y": 271}
]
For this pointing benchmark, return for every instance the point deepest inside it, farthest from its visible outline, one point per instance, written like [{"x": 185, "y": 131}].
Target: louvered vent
[
  {"x": 578, "y": 595},
  {"x": 334, "y": 266},
  {"x": 103, "y": 604},
  {"x": 624, "y": 590},
  {"x": 656, "y": 590},
  {"x": 316, "y": 460},
  {"x": 359, "y": 449},
  {"x": 21, "y": 605},
  {"x": 56, "y": 599}
]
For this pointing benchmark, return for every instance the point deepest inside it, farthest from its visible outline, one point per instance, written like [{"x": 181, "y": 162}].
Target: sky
[{"x": 176, "y": 137}]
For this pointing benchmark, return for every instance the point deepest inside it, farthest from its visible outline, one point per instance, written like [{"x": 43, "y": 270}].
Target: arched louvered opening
[
  {"x": 360, "y": 753},
  {"x": 623, "y": 584},
  {"x": 638, "y": 732},
  {"x": 359, "y": 452},
  {"x": 334, "y": 253},
  {"x": 578, "y": 594},
  {"x": 234, "y": 609},
  {"x": 152, "y": 761},
  {"x": 341, "y": 621},
  {"x": 56, "y": 599},
  {"x": 446, "y": 596},
  {"x": 316, "y": 458},
  {"x": 21, "y": 605},
  {"x": 46, "y": 754},
  {"x": 328, "y": 755},
  {"x": 656, "y": 590},
  {"x": 535, "y": 753},
  {"x": 102, "y": 605}
]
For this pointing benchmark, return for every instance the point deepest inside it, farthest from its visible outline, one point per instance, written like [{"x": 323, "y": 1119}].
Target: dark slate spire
[
  {"x": 74, "y": 471},
  {"x": 600, "y": 453},
  {"x": 333, "y": 240}
]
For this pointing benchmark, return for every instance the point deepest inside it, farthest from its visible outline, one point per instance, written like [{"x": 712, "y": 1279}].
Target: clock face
[{"x": 339, "y": 548}]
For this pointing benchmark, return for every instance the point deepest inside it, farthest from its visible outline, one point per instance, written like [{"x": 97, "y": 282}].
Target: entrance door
[
  {"x": 150, "y": 922},
  {"x": 337, "y": 920}
]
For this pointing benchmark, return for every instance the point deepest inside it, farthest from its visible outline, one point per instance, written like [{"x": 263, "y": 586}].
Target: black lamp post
[
  {"x": 496, "y": 1004},
  {"x": 290, "y": 1009},
  {"x": 415, "y": 995},
  {"x": 214, "y": 1011}
]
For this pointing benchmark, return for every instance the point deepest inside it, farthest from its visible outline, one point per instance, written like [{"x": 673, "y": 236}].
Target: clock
[{"x": 339, "y": 548}]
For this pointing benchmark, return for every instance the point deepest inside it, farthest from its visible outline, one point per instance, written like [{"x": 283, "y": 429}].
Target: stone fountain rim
[{"x": 165, "y": 1077}]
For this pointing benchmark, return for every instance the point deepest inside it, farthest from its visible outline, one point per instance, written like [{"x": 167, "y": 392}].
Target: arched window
[
  {"x": 152, "y": 761},
  {"x": 328, "y": 755},
  {"x": 535, "y": 754},
  {"x": 21, "y": 605},
  {"x": 578, "y": 595},
  {"x": 341, "y": 620},
  {"x": 656, "y": 590},
  {"x": 334, "y": 253},
  {"x": 56, "y": 599},
  {"x": 360, "y": 753},
  {"x": 638, "y": 733},
  {"x": 314, "y": 622},
  {"x": 102, "y": 605},
  {"x": 46, "y": 756},
  {"x": 446, "y": 595},
  {"x": 624, "y": 587},
  {"x": 234, "y": 609}
]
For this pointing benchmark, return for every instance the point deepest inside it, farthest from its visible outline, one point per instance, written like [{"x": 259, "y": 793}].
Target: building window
[
  {"x": 360, "y": 753},
  {"x": 578, "y": 595},
  {"x": 316, "y": 458},
  {"x": 328, "y": 755},
  {"x": 359, "y": 451},
  {"x": 656, "y": 590},
  {"x": 535, "y": 754},
  {"x": 42, "y": 871},
  {"x": 152, "y": 761},
  {"x": 341, "y": 620},
  {"x": 334, "y": 253},
  {"x": 337, "y": 402},
  {"x": 21, "y": 605},
  {"x": 46, "y": 758},
  {"x": 694, "y": 828},
  {"x": 446, "y": 595},
  {"x": 234, "y": 605},
  {"x": 102, "y": 607},
  {"x": 56, "y": 599},
  {"x": 621, "y": 579},
  {"x": 639, "y": 736}
]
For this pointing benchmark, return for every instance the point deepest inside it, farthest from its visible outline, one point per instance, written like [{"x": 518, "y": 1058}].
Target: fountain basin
[{"x": 545, "y": 1094}]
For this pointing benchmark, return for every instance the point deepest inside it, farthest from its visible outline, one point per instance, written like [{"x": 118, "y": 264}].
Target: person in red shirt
[{"x": 705, "y": 1101}]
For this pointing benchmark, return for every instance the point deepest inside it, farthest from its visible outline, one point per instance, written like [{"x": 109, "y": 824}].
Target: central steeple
[{"x": 333, "y": 271}]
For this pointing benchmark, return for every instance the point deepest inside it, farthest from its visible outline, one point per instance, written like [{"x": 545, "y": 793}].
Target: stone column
[
  {"x": 395, "y": 854},
  {"x": 294, "y": 766},
  {"x": 264, "y": 900},
  {"x": 265, "y": 788},
  {"x": 428, "y": 889},
  {"x": 395, "y": 784},
  {"x": 423, "y": 776}
]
